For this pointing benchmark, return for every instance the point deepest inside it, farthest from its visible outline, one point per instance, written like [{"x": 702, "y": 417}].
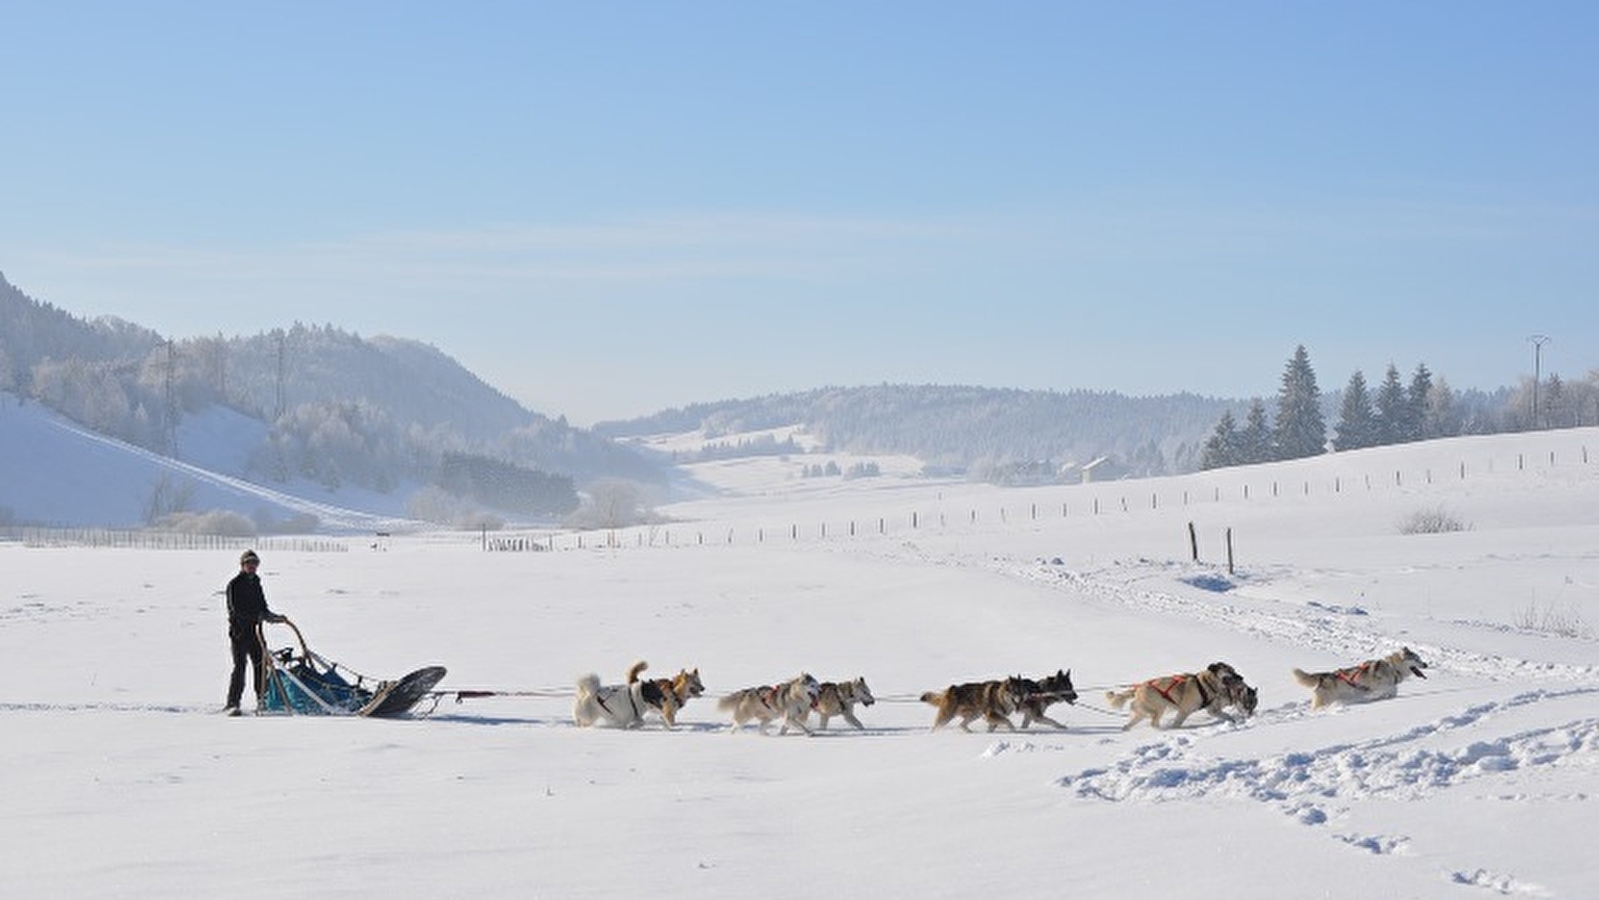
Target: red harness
[{"x": 1351, "y": 676}]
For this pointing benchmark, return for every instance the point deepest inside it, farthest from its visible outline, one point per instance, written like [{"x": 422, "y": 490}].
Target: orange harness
[
  {"x": 1351, "y": 676},
  {"x": 1173, "y": 682}
]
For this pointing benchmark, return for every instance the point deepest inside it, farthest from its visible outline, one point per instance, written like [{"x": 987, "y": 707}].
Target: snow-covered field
[{"x": 120, "y": 779}]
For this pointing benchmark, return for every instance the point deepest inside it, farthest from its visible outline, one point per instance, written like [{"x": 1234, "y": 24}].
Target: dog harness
[
  {"x": 1175, "y": 681},
  {"x": 599, "y": 698},
  {"x": 1351, "y": 677}
]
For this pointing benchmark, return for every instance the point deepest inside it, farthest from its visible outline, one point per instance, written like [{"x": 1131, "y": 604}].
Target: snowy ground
[{"x": 121, "y": 780}]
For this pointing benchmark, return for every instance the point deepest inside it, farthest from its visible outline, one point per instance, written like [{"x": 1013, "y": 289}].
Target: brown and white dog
[
  {"x": 838, "y": 698},
  {"x": 1374, "y": 679},
  {"x": 1212, "y": 689},
  {"x": 788, "y": 703}
]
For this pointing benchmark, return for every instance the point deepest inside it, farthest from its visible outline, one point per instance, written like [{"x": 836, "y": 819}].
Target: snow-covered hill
[
  {"x": 121, "y": 780},
  {"x": 55, "y": 472}
]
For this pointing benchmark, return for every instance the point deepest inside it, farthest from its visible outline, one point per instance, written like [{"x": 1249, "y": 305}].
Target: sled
[{"x": 300, "y": 682}]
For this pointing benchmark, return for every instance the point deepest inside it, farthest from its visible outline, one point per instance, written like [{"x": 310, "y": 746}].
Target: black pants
[{"x": 246, "y": 649}]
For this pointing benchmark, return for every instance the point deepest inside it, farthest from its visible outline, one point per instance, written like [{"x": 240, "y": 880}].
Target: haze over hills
[{"x": 306, "y": 427}]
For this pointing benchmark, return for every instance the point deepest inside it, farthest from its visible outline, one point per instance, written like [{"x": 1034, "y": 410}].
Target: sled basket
[{"x": 303, "y": 683}]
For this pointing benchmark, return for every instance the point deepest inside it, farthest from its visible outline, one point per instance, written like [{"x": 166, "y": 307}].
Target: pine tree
[
  {"x": 1391, "y": 410},
  {"x": 1254, "y": 442},
  {"x": 1301, "y": 430},
  {"x": 1356, "y": 421},
  {"x": 1221, "y": 448},
  {"x": 1415, "y": 422},
  {"x": 1553, "y": 414}
]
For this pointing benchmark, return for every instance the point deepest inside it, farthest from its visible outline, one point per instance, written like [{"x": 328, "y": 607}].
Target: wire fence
[
  {"x": 140, "y": 539},
  {"x": 1240, "y": 485}
]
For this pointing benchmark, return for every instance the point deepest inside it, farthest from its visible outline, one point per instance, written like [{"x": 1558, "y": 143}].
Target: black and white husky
[{"x": 619, "y": 705}]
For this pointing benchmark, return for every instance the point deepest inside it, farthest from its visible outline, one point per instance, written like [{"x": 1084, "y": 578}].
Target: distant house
[{"x": 1100, "y": 465}]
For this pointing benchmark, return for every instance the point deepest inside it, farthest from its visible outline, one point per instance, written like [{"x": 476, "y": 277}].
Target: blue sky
[{"x": 609, "y": 210}]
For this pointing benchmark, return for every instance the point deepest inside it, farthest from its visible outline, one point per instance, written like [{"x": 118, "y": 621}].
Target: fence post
[
  {"x": 1193, "y": 541},
  {"x": 1229, "y": 551}
]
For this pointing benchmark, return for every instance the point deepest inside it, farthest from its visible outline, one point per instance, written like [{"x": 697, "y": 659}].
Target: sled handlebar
[{"x": 304, "y": 650}]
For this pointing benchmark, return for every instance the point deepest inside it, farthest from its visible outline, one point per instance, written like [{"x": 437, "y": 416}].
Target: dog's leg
[
  {"x": 995, "y": 720},
  {"x": 850, "y": 718},
  {"x": 1136, "y": 717},
  {"x": 1156, "y": 714}
]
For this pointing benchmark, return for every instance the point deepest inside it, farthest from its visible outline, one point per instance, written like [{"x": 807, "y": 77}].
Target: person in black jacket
[{"x": 247, "y": 609}]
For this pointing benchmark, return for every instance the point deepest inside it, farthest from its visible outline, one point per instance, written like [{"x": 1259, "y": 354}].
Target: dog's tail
[
  {"x": 1306, "y": 679},
  {"x": 588, "y": 686},
  {"x": 632, "y": 674},
  {"x": 1118, "y": 699},
  {"x": 935, "y": 697},
  {"x": 731, "y": 701}
]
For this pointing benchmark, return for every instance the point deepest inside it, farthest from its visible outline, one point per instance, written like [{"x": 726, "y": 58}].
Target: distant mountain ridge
[{"x": 964, "y": 427}]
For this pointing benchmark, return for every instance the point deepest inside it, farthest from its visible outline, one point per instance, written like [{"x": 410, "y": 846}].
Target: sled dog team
[{"x": 1214, "y": 689}]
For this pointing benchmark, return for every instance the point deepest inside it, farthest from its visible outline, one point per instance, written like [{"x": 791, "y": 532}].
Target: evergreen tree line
[
  {"x": 505, "y": 486},
  {"x": 1397, "y": 412}
]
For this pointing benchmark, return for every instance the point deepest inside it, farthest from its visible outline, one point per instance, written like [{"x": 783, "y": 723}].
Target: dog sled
[{"x": 300, "y": 682}]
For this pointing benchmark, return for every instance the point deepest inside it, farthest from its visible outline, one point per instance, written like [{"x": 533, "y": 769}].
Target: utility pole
[{"x": 1538, "y": 340}]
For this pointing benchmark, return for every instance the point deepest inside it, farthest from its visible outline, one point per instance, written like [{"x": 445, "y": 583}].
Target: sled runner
[{"x": 305, "y": 683}]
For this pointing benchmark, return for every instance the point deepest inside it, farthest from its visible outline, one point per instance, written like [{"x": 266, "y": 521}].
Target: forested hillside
[
  {"x": 340, "y": 409},
  {"x": 985, "y": 431}
]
